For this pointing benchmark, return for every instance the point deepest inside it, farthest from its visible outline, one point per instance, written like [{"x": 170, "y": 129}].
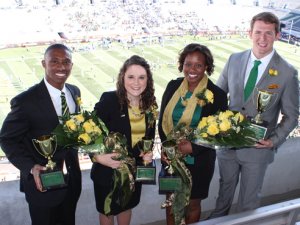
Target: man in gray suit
[{"x": 276, "y": 76}]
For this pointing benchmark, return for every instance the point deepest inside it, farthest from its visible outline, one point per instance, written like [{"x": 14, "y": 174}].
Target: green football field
[{"x": 96, "y": 67}]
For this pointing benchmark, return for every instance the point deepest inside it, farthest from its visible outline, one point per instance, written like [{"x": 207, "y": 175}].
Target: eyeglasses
[{"x": 190, "y": 65}]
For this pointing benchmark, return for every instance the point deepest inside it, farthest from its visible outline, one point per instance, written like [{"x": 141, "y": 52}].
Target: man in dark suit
[
  {"x": 275, "y": 76},
  {"x": 35, "y": 113}
]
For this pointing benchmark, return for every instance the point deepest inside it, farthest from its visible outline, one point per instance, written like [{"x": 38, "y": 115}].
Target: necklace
[{"x": 137, "y": 113}]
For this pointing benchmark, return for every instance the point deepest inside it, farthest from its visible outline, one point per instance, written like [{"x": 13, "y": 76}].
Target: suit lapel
[
  {"x": 75, "y": 97},
  {"x": 272, "y": 64},
  {"x": 45, "y": 104},
  {"x": 243, "y": 68},
  {"x": 148, "y": 128},
  {"x": 126, "y": 124}
]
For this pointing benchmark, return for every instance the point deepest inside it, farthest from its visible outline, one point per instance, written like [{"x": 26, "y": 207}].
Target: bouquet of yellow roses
[
  {"x": 84, "y": 130},
  {"x": 226, "y": 129},
  {"x": 88, "y": 132}
]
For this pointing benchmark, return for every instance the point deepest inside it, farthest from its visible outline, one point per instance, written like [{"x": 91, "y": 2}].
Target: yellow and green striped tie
[{"x": 64, "y": 106}]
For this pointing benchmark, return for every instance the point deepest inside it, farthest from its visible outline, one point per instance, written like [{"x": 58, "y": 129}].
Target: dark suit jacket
[
  {"x": 33, "y": 115},
  {"x": 117, "y": 120},
  {"x": 220, "y": 103}
]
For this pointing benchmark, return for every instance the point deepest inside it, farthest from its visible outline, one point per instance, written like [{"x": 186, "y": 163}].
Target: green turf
[{"x": 95, "y": 70}]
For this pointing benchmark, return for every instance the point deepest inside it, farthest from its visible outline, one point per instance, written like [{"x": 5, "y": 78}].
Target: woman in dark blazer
[
  {"x": 127, "y": 111},
  {"x": 179, "y": 104}
]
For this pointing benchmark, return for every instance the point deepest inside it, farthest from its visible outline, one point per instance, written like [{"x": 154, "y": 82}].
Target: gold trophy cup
[
  {"x": 169, "y": 148},
  {"x": 51, "y": 178},
  {"x": 147, "y": 172},
  {"x": 168, "y": 182},
  {"x": 263, "y": 103}
]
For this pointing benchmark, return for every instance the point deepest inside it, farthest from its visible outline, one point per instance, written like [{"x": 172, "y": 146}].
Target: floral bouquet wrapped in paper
[
  {"x": 84, "y": 130},
  {"x": 87, "y": 132},
  {"x": 226, "y": 129}
]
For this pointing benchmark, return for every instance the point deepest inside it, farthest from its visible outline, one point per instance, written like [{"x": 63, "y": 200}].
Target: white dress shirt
[{"x": 56, "y": 99}]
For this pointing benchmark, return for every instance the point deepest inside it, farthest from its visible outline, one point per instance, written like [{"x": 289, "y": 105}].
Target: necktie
[
  {"x": 64, "y": 107},
  {"x": 251, "y": 80}
]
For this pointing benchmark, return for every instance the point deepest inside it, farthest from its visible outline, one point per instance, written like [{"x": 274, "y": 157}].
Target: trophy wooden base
[
  {"x": 260, "y": 130},
  {"x": 53, "y": 180},
  {"x": 169, "y": 183},
  {"x": 146, "y": 174}
]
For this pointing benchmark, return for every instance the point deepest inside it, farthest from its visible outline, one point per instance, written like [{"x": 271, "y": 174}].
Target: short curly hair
[
  {"x": 202, "y": 49},
  {"x": 147, "y": 97}
]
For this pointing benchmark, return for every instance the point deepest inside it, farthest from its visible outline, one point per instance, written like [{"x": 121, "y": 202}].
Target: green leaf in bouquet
[
  {"x": 61, "y": 136},
  {"x": 97, "y": 148}
]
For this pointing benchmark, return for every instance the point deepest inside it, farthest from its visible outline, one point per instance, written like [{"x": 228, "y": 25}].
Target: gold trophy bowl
[
  {"x": 169, "y": 149},
  {"x": 146, "y": 173},
  {"x": 147, "y": 147},
  {"x": 168, "y": 182},
  {"x": 51, "y": 178},
  {"x": 46, "y": 146},
  {"x": 262, "y": 104}
]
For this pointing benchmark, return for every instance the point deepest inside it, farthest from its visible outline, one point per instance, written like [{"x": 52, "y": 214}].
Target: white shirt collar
[
  {"x": 52, "y": 90},
  {"x": 265, "y": 60},
  {"x": 56, "y": 99}
]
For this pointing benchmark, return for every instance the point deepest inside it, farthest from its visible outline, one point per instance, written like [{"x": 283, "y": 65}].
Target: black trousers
[{"x": 62, "y": 214}]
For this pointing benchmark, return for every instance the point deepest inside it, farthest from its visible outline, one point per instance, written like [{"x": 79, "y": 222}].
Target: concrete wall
[{"x": 282, "y": 180}]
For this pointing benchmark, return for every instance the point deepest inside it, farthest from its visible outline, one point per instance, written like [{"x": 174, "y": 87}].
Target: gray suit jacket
[{"x": 285, "y": 100}]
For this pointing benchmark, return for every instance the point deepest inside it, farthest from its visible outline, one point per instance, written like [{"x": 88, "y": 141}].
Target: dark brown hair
[
  {"x": 147, "y": 97},
  {"x": 194, "y": 47},
  {"x": 266, "y": 17}
]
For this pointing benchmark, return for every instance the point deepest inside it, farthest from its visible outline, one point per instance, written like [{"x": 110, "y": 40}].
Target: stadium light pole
[{"x": 290, "y": 31}]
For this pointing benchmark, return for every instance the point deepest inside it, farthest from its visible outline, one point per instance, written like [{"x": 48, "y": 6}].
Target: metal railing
[{"x": 284, "y": 213}]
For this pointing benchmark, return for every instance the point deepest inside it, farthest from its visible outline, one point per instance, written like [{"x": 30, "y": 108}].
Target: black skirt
[
  {"x": 202, "y": 172},
  {"x": 102, "y": 177}
]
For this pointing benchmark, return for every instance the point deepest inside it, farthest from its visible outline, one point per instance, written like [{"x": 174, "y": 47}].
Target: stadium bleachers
[{"x": 82, "y": 21}]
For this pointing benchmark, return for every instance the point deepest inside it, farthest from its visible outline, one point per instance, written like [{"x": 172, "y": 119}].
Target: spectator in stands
[
  {"x": 179, "y": 105},
  {"x": 35, "y": 113},
  {"x": 127, "y": 111},
  {"x": 274, "y": 75}
]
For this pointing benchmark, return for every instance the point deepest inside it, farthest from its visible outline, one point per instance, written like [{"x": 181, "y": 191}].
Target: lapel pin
[{"x": 273, "y": 86}]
